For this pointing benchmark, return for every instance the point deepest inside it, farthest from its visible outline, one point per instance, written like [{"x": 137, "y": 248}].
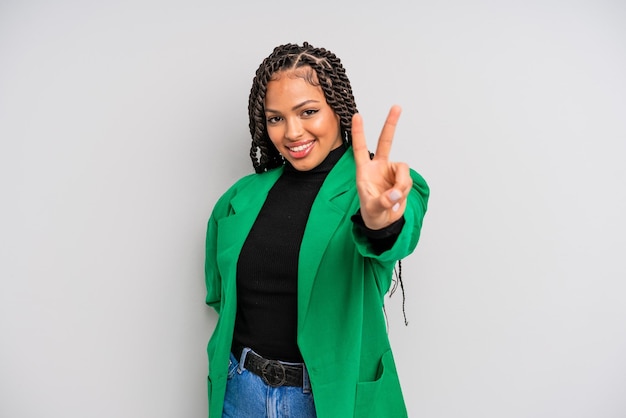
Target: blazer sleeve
[{"x": 417, "y": 203}]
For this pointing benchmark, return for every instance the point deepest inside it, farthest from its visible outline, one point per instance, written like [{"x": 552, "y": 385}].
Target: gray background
[{"x": 121, "y": 123}]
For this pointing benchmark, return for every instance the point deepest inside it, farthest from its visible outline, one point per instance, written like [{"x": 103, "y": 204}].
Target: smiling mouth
[
  {"x": 301, "y": 151},
  {"x": 300, "y": 148}
]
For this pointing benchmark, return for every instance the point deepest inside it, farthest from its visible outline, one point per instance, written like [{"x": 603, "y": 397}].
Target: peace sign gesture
[{"x": 382, "y": 185}]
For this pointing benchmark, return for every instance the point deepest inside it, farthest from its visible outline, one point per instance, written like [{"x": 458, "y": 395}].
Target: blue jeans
[{"x": 248, "y": 396}]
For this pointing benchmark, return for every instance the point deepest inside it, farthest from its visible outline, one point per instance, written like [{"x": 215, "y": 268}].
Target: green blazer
[{"x": 342, "y": 283}]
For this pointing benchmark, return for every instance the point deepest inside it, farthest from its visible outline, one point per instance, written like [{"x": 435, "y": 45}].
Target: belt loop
[
  {"x": 306, "y": 383},
  {"x": 242, "y": 360}
]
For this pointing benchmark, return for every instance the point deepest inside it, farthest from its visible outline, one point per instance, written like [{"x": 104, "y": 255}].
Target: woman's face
[{"x": 300, "y": 123}]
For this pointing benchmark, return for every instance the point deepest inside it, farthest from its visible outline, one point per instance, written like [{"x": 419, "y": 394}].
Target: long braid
[{"x": 331, "y": 77}]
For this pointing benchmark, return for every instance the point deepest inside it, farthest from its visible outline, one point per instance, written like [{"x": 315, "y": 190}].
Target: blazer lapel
[
  {"x": 328, "y": 211},
  {"x": 234, "y": 229}
]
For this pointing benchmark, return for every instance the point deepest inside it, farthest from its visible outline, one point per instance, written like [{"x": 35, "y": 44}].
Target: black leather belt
[{"x": 273, "y": 372}]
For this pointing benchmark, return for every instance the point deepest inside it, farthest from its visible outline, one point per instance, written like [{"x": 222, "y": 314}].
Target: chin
[{"x": 302, "y": 165}]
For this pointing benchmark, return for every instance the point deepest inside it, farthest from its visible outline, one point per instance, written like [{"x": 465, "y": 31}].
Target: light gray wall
[{"x": 121, "y": 122}]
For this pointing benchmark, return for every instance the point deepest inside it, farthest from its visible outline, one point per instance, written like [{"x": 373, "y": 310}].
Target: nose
[{"x": 293, "y": 129}]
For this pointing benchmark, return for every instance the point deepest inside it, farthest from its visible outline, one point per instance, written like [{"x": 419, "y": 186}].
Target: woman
[{"x": 298, "y": 259}]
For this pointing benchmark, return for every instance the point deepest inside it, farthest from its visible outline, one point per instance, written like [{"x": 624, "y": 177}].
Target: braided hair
[{"x": 331, "y": 77}]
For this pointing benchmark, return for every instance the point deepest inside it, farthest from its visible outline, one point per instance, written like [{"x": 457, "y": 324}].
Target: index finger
[
  {"x": 359, "y": 146},
  {"x": 386, "y": 135}
]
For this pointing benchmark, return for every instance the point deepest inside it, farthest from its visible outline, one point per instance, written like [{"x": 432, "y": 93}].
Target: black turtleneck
[{"x": 267, "y": 269}]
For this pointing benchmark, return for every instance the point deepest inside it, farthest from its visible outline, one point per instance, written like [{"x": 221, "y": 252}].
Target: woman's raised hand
[{"x": 383, "y": 185}]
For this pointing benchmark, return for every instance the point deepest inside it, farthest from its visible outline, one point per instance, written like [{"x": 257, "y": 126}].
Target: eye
[
  {"x": 310, "y": 112},
  {"x": 273, "y": 119}
]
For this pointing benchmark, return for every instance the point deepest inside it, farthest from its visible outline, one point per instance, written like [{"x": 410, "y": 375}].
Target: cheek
[
  {"x": 274, "y": 134},
  {"x": 327, "y": 127}
]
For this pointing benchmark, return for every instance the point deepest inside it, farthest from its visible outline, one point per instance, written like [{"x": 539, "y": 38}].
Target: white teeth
[{"x": 301, "y": 147}]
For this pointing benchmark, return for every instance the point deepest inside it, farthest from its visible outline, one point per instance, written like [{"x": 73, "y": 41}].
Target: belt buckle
[{"x": 270, "y": 373}]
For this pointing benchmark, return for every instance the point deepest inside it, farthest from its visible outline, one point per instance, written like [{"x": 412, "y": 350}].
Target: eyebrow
[{"x": 296, "y": 107}]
